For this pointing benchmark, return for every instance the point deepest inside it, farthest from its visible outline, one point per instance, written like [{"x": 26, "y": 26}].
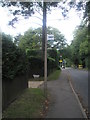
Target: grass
[
  {"x": 28, "y": 105},
  {"x": 54, "y": 75}
]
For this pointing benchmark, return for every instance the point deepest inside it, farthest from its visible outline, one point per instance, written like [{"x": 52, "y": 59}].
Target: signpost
[{"x": 50, "y": 37}]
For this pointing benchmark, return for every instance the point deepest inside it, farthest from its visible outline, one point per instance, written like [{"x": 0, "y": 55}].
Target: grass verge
[
  {"x": 54, "y": 75},
  {"x": 28, "y": 105}
]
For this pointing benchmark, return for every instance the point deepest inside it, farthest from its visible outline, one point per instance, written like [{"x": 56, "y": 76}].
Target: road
[{"x": 80, "y": 83}]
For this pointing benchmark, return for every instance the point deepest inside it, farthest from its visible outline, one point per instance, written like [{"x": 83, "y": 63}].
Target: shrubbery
[
  {"x": 14, "y": 60},
  {"x": 36, "y": 63},
  {"x": 34, "y": 52},
  {"x": 52, "y": 53},
  {"x": 17, "y": 62}
]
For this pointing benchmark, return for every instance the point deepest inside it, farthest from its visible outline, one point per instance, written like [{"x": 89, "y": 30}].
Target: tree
[
  {"x": 79, "y": 45},
  {"x": 30, "y": 40},
  {"x": 87, "y": 11},
  {"x": 26, "y": 9},
  {"x": 84, "y": 53},
  {"x": 14, "y": 61},
  {"x": 59, "y": 39}
]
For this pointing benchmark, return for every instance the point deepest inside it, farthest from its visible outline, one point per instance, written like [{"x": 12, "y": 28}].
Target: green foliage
[
  {"x": 66, "y": 52},
  {"x": 79, "y": 46},
  {"x": 84, "y": 48},
  {"x": 84, "y": 53},
  {"x": 51, "y": 65},
  {"x": 36, "y": 65},
  {"x": 53, "y": 53},
  {"x": 37, "y": 53},
  {"x": 54, "y": 75},
  {"x": 87, "y": 11},
  {"x": 30, "y": 40},
  {"x": 68, "y": 62},
  {"x": 77, "y": 53},
  {"x": 13, "y": 59},
  {"x": 59, "y": 39}
]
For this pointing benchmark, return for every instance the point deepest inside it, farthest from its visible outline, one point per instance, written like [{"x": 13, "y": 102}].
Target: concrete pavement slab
[{"x": 34, "y": 84}]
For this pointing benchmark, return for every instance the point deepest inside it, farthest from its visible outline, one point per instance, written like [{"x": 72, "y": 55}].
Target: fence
[{"x": 12, "y": 88}]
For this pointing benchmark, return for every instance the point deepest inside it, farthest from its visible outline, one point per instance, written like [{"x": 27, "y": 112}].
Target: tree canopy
[
  {"x": 59, "y": 39},
  {"x": 32, "y": 39},
  {"x": 26, "y": 9},
  {"x": 14, "y": 61},
  {"x": 79, "y": 46}
]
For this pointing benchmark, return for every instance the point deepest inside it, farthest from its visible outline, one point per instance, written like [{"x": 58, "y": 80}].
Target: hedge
[
  {"x": 53, "y": 54},
  {"x": 14, "y": 60},
  {"x": 17, "y": 62},
  {"x": 34, "y": 52},
  {"x": 36, "y": 65}
]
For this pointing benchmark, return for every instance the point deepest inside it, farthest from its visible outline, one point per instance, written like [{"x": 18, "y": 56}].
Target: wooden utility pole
[{"x": 44, "y": 47}]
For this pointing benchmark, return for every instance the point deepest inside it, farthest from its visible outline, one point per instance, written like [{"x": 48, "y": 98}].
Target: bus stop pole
[{"x": 45, "y": 48}]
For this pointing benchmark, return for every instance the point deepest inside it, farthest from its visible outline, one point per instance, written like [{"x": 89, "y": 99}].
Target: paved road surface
[{"x": 80, "y": 83}]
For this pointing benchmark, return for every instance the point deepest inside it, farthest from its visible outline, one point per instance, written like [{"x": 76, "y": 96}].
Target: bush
[
  {"x": 33, "y": 53},
  {"x": 51, "y": 65},
  {"x": 36, "y": 66},
  {"x": 14, "y": 61},
  {"x": 17, "y": 62},
  {"x": 68, "y": 62},
  {"x": 52, "y": 53},
  {"x": 36, "y": 63}
]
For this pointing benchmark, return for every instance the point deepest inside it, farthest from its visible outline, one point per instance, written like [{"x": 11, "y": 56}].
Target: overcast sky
[{"x": 54, "y": 19}]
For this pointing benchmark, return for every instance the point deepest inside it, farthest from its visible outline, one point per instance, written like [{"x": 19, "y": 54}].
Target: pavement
[
  {"x": 63, "y": 102},
  {"x": 34, "y": 84}
]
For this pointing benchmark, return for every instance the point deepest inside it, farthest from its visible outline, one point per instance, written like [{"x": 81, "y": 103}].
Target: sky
[{"x": 54, "y": 19}]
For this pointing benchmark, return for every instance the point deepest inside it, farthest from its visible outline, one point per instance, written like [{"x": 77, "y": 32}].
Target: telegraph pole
[{"x": 44, "y": 47}]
